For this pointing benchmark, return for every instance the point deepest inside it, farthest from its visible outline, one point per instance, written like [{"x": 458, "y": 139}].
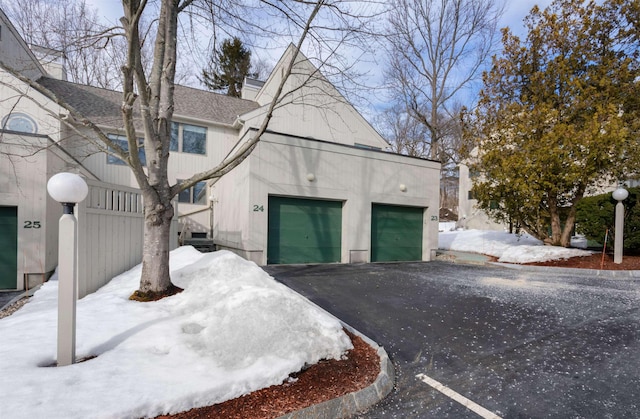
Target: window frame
[
  {"x": 192, "y": 194},
  {"x": 177, "y": 140},
  {"x": 122, "y": 141}
]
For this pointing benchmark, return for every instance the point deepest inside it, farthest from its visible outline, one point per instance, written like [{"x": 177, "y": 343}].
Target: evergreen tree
[
  {"x": 558, "y": 115},
  {"x": 228, "y": 67}
]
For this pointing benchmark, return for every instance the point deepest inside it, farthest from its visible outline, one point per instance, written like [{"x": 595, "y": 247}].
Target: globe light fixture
[
  {"x": 619, "y": 195},
  {"x": 68, "y": 189}
]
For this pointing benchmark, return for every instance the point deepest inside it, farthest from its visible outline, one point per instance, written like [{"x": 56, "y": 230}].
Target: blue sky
[{"x": 515, "y": 11}]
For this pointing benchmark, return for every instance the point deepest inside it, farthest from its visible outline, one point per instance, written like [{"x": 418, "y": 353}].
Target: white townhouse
[{"x": 318, "y": 188}]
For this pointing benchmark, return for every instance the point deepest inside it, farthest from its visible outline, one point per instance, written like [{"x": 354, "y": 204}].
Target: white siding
[
  {"x": 15, "y": 53},
  {"x": 232, "y": 209},
  {"x": 23, "y": 184},
  {"x": 280, "y": 165},
  {"x": 20, "y": 98},
  {"x": 314, "y": 108}
]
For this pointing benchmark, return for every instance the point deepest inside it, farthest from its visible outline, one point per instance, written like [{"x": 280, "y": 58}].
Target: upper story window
[
  {"x": 20, "y": 122},
  {"x": 187, "y": 138},
  {"x": 121, "y": 140}
]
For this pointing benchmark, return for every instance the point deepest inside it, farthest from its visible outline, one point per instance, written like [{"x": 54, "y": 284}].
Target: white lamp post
[
  {"x": 68, "y": 189},
  {"x": 619, "y": 195}
]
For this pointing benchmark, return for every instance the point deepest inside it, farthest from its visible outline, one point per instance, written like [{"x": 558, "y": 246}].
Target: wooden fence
[{"x": 110, "y": 234}]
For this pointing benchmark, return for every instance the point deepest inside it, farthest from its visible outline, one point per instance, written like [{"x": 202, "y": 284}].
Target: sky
[
  {"x": 370, "y": 101},
  {"x": 515, "y": 11},
  {"x": 233, "y": 330}
]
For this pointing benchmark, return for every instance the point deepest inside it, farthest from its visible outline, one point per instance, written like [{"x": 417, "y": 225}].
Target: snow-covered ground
[
  {"x": 508, "y": 248},
  {"x": 231, "y": 331}
]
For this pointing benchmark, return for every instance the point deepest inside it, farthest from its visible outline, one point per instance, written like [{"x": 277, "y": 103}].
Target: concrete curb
[
  {"x": 478, "y": 259},
  {"x": 357, "y": 401},
  {"x": 607, "y": 274},
  {"x": 352, "y": 403}
]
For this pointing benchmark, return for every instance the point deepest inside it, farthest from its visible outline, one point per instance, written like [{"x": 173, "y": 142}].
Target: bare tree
[
  {"x": 148, "y": 95},
  {"x": 70, "y": 31},
  {"x": 437, "y": 48},
  {"x": 411, "y": 137},
  {"x": 406, "y": 135}
]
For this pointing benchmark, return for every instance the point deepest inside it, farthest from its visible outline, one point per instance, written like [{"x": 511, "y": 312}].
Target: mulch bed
[
  {"x": 323, "y": 381},
  {"x": 594, "y": 261}
]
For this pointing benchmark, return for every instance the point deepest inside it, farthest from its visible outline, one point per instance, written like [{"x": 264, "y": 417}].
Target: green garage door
[
  {"x": 304, "y": 231},
  {"x": 396, "y": 233},
  {"x": 8, "y": 247}
]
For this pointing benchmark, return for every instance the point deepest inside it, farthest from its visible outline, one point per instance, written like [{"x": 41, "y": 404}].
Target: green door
[
  {"x": 396, "y": 233},
  {"x": 8, "y": 247},
  {"x": 304, "y": 231}
]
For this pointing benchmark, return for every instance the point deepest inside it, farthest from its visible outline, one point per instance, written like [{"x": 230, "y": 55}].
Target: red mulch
[
  {"x": 316, "y": 384},
  {"x": 594, "y": 261}
]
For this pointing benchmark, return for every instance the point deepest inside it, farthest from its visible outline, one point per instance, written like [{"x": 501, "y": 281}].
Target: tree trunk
[
  {"x": 155, "y": 281},
  {"x": 555, "y": 222},
  {"x": 565, "y": 238}
]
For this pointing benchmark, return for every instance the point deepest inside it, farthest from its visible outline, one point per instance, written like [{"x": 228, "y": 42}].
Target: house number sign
[
  {"x": 32, "y": 224},
  {"x": 258, "y": 208}
]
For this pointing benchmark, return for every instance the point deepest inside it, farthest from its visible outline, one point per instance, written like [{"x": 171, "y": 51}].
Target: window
[
  {"x": 194, "y": 195},
  {"x": 20, "y": 122},
  {"x": 121, "y": 140},
  {"x": 187, "y": 138}
]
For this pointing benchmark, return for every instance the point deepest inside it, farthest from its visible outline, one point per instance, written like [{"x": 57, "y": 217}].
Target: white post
[
  {"x": 67, "y": 290},
  {"x": 618, "y": 242},
  {"x": 68, "y": 189},
  {"x": 619, "y": 195}
]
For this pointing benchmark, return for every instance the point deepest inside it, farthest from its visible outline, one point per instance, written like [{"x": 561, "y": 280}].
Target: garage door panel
[
  {"x": 396, "y": 233},
  {"x": 304, "y": 231}
]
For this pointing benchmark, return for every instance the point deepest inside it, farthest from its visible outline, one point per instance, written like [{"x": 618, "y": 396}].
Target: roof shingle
[{"x": 102, "y": 106}]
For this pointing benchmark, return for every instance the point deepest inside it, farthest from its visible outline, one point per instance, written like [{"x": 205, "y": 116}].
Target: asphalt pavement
[
  {"x": 7, "y": 297},
  {"x": 475, "y": 341}
]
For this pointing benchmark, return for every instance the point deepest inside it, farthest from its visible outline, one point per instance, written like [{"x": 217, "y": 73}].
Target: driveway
[
  {"x": 7, "y": 296},
  {"x": 511, "y": 343}
]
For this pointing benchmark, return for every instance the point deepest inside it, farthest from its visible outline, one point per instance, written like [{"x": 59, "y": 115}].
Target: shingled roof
[{"x": 102, "y": 106}]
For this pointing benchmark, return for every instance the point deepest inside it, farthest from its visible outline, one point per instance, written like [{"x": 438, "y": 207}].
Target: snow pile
[
  {"x": 232, "y": 331},
  {"x": 508, "y": 248}
]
